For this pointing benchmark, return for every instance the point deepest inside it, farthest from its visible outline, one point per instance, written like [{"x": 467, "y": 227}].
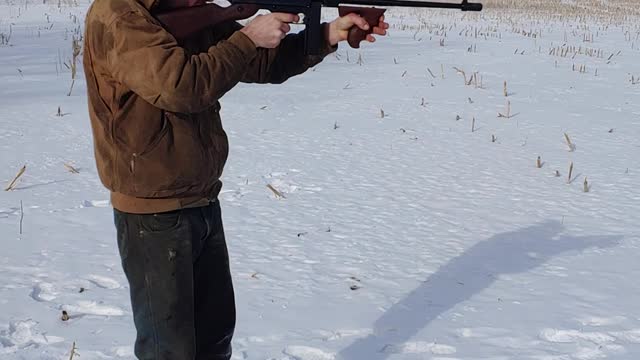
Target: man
[{"x": 160, "y": 149}]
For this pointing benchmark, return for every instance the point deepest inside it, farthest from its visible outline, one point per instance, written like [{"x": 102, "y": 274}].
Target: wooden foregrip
[{"x": 371, "y": 15}]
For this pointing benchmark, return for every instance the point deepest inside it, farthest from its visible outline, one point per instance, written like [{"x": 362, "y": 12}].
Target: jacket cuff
[{"x": 244, "y": 44}]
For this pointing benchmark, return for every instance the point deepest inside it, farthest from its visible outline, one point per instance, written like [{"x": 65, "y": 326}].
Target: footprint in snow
[
  {"x": 43, "y": 292},
  {"x": 419, "y": 347},
  {"x": 307, "y": 353},
  {"x": 232, "y": 195},
  {"x": 123, "y": 351},
  {"x": 345, "y": 333},
  {"x": 243, "y": 355},
  {"x": 5, "y": 213},
  {"x": 92, "y": 308},
  {"x": 632, "y": 336},
  {"x": 24, "y": 333},
  {"x": 573, "y": 336},
  {"x": 601, "y": 321},
  {"x": 594, "y": 344},
  {"x": 596, "y": 351},
  {"x": 96, "y": 203},
  {"x": 285, "y": 187},
  {"x": 104, "y": 282}
]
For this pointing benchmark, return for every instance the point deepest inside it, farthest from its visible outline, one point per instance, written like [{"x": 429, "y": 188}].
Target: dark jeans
[{"x": 182, "y": 296}]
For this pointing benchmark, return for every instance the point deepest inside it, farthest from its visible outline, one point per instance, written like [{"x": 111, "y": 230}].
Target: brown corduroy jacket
[{"x": 153, "y": 102}]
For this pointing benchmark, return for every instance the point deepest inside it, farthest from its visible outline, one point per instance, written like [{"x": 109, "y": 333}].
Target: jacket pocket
[
  {"x": 173, "y": 163},
  {"x": 166, "y": 126}
]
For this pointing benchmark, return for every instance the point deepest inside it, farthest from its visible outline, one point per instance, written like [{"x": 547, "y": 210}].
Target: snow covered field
[{"x": 402, "y": 233}]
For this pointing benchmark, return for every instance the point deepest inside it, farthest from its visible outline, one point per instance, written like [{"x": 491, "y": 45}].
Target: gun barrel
[{"x": 464, "y": 5}]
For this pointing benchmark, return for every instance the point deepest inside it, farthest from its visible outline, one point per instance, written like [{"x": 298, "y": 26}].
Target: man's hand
[
  {"x": 338, "y": 29},
  {"x": 268, "y": 30}
]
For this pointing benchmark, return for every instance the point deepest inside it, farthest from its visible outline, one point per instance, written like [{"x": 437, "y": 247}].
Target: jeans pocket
[{"x": 161, "y": 222}]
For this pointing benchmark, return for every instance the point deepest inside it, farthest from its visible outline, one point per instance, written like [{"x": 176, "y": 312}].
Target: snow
[{"x": 403, "y": 236}]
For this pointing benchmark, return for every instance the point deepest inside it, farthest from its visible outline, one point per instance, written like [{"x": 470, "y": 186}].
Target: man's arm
[
  {"x": 148, "y": 60},
  {"x": 276, "y": 65}
]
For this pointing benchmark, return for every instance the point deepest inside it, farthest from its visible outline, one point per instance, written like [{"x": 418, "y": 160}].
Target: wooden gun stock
[{"x": 184, "y": 22}]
